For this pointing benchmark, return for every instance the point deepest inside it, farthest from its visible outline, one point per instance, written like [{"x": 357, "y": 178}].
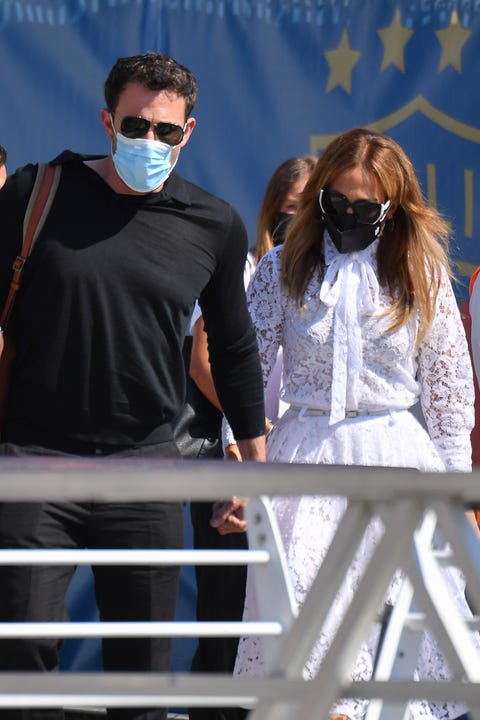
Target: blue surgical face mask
[{"x": 142, "y": 164}]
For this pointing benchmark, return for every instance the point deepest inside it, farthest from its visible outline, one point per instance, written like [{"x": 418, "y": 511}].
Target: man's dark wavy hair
[{"x": 155, "y": 72}]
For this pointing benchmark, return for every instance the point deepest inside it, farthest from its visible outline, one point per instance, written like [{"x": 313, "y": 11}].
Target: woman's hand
[
  {"x": 269, "y": 425},
  {"x": 228, "y": 516},
  {"x": 232, "y": 452}
]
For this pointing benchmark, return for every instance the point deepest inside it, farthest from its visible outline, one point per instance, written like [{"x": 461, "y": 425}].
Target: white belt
[{"x": 306, "y": 410}]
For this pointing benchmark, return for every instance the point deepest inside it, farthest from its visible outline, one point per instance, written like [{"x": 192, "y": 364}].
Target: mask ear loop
[
  {"x": 113, "y": 125},
  {"x": 383, "y": 214},
  {"x": 114, "y": 133},
  {"x": 383, "y": 210},
  {"x": 320, "y": 197},
  {"x": 320, "y": 201}
]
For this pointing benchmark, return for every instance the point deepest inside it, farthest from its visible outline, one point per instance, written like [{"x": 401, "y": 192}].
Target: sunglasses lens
[
  {"x": 367, "y": 212},
  {"x": 134, "y": 127},
  {"x": 334, "y": 203},
  {"x": 169, "y": 133}
]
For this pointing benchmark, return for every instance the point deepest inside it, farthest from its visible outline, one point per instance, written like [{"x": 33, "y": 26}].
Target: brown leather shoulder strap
[{"x": 39, "y": 204}]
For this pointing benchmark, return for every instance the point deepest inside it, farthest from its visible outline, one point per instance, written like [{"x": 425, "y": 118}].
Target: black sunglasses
[
  {"x": 136, "y": 126},
  {"x": 366, "y": 212}
]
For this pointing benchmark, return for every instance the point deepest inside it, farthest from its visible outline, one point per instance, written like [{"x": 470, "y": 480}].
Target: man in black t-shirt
[{"x": 98, "y": 329}]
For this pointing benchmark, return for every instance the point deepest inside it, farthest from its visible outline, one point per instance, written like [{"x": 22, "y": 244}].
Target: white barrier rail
[{"x": 412, "y": 506}]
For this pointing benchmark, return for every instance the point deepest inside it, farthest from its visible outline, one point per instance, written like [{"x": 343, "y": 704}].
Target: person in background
[
  {"x": 3, "y": 166},
  {"x": 360, "y": 299},
  {"x": 278, "y": 207},
  {"x": 474, "y": 307},
  {"x": 279, "y": 204},
  {"x": 99, "y": 325},
  {"x": 221, "y": 589}
]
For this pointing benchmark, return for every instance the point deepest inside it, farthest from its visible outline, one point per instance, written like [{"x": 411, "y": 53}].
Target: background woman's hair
[{"x": 288, "y": 173}]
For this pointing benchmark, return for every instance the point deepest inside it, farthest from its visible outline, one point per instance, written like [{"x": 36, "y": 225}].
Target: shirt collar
[{"x": 176, "y": 188}]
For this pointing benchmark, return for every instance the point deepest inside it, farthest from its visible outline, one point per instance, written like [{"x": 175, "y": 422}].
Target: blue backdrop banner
[{"x": 277, "y": 78}]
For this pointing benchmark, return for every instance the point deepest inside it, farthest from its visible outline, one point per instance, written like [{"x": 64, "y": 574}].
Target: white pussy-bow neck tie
[{"x": 350, "y": 286}]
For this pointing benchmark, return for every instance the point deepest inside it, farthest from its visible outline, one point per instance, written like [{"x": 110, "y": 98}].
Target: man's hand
[{"x": 228, "y": 516}]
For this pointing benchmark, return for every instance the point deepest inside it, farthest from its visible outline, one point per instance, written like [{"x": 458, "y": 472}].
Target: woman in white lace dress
[{"x": 360, "y": 299}]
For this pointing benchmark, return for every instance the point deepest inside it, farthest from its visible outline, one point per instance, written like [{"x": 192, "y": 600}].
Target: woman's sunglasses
[
  {"x": 136, "y": 126},
  {"x": 366, "y": 212}
]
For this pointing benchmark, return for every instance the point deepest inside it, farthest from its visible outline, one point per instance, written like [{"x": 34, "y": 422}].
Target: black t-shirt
[{"x": 105, "y": 302}]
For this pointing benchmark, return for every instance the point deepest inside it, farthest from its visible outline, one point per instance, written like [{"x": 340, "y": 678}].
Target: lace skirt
[{"x": 308, "y": 524}]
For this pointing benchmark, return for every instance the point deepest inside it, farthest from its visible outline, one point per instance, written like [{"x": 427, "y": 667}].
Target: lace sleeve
[
  {"x": 445, "y": 373},
  {"x": 266, "y": 309}
]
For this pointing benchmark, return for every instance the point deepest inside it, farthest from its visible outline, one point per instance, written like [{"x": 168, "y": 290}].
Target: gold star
[
  {"x": 341, "y": 62},
  {"x": 394, "y": 38},
  {"x": 452, "y": 40}
]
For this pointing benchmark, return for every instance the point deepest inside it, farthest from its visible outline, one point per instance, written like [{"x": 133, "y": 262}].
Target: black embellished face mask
[
  {"x": 351, "y": 239},
  {"x": 282, "y": 222},
  {"x": 352, "y": 226}
]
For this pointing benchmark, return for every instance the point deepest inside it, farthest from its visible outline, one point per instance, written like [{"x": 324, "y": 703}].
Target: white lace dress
[{"x": 338, "y": 357}]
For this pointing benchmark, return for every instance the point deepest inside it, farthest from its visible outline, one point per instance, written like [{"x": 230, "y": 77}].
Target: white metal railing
[{"x": 412, "y": 506}]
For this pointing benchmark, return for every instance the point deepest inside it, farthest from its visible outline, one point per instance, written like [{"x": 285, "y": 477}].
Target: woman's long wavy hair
[
  {"x": 413, "y": 247},
  {"x": 286, "y": 174}
]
